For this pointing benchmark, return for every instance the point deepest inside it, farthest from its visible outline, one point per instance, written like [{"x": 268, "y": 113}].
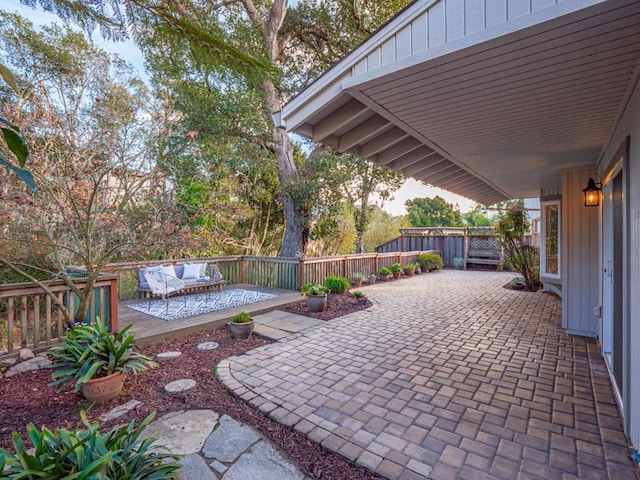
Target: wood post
[
  {"x": 345, "y": 267},
  {"x": 243, "y": 270},
  {"x": 300, "y": 273},
  {"x": 113, "y": 304}
]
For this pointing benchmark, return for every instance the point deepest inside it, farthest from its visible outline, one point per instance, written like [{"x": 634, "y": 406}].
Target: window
[{"x": 550, "y": 245}]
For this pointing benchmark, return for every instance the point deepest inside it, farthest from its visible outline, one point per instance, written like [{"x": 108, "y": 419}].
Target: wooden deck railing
[
  {"x": 274, "y": 272},
  {"x": 29, "y": 318}
]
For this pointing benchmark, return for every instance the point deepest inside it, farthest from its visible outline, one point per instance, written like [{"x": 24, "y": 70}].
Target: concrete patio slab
[
  {"x": 276, "y": 325},
  {"x": 447, "y": 376}
]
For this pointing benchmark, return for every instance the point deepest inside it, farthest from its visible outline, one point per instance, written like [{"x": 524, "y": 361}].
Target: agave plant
[
  {"x": 91, "y": 351},
  {"x": 85, "y": 453}
]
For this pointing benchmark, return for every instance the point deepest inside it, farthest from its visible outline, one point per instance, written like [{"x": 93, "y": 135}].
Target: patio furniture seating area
[{"x": 165, "y": 280}]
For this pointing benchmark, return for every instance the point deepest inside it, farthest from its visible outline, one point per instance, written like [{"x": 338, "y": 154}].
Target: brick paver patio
[{"x": 448, "y": 376}]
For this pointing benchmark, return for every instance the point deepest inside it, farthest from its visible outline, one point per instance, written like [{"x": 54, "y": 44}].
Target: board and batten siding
[
  {"x": 629, "y": 126},
  {"x": 580, "y": 268},
  {"x": 443, "y": 22}
]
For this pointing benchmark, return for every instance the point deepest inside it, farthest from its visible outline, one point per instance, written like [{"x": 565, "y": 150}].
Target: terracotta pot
[
  {"x": 409, "y": 272},
  {"x": 103, "y": 389},
  {"x": 241, "y": 331},
  {"x": 316, "y": 303},
  {"x": 396, "y": 275},
  {"x": 358, "y": 283}
]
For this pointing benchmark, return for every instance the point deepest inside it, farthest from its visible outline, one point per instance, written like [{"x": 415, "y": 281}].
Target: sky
[{"x": 131, "y": 54}]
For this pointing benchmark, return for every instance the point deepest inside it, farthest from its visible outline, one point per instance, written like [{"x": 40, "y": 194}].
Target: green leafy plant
[
  {"x": 337, "y": 284},
  {"x": 458, "y": 262},
  {"x": 314, "y": 289},
  {"x": 410, "y": 266},
  {"x": 358, "y": 295},
  {"x": 384, "y": 271},
  {"x": 396, "y": 268},
  {"x": 430, "y": 261},
  {"x": 242, "y": 317},
  {"x": 85, "y": 453},
  {"x": 357, "y": 277},
  {"x": 91, "y": 351}
]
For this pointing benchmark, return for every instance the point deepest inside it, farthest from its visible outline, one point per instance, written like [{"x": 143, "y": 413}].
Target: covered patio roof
[{"x": 490, "y": 99}]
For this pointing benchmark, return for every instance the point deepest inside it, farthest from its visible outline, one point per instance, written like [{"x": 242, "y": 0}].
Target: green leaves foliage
[
  {"x": 433, "y": 212},
  {"x": 337, "y": 284},
  {"x": 86, "y": 453},
  {"x": 93, "y": 351}
]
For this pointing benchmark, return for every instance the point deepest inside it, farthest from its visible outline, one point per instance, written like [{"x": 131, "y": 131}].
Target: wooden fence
[
  {"x": 274, "y": 272},
  {"x": 473, "y": 245},
  {"x": 29, "y": 318}
]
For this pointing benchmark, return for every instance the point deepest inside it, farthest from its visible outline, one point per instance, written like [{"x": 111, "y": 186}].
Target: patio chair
[{"x": 164, "y": 285}]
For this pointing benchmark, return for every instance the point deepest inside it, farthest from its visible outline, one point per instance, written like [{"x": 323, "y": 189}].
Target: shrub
[
  {"x": 384, "y": 271},
  {"x": 242, "y": 317},
  {"x": 430, "y": 261},
  {"x": 313, "y": 289},
  {"x": 357, "y": 295},
  {"x": 458, "y": 262},
  {"x": 337, "y": 284},
  {"x": 64, "y": 453}
]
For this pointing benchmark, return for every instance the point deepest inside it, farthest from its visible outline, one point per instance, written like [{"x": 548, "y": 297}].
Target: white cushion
[
  {"x": 203, "y": 269},
  {"x": 168, "y": 270},
  {"x": 192, "y": 271}
]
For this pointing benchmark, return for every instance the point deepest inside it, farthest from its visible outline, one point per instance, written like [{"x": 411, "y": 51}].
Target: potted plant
[
  {"x": 360, "y": 297},
  {"x": 396, "y": 270},
  {"x": 372, "y": 279},
  {"x": 409, "y": 269},
  {"x": 418, "y": 270},
  {"x": 97, "y": 360},
  {"x": 357, "y": 279},
  {"x": 384, "y": 273},
  {"x": 241, "y": 326},
  {"x": 316, "y": 296},
  {"x": 458, "y": 262}
]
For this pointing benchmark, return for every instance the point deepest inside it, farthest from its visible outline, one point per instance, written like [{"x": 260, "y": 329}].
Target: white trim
[{"x": 543, "y": 240}]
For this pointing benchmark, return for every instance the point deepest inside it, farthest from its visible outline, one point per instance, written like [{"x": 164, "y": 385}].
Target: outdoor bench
[{"x": 191, "y": 277}]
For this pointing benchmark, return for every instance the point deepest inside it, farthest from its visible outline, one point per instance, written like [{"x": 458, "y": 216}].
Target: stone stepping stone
[
  {"x": 208, "y": 345},
  {"x": 229, "y": 440},
  {"x": 168, "y": 355},
  {"x": 119, "y": 410},
  {"x": 180, "y": 385},
  {"x": 36, "y": 363},
  {"x": 194, "y": 466},
  {"x": 182, "y": 432},
  {"x": 264, "y": 462}
]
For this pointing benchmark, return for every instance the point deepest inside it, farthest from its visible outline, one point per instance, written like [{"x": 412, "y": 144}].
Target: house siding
[
  {"x": 629, "y": 126},
  {"x": 580, "y": 269},
  {"x": 444, "y": 22}
]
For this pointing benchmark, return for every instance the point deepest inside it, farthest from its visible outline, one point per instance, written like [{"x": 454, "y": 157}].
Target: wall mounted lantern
[{"x": 592, "y": 193}]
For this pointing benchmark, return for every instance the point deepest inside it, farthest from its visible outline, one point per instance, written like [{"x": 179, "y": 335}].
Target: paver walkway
[{"x": 448, "y": 376}]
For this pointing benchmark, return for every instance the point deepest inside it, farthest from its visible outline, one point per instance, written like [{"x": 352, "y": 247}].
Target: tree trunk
[{"x": 296, "y": 234}]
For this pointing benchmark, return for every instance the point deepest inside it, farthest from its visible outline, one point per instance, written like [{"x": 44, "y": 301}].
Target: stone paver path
[
  {"x": 448, "y": 376},
  {"x": 276, "y": 324},
  {"x": 220, "y": 448}
]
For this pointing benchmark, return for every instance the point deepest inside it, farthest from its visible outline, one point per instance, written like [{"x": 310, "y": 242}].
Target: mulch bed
[
  {"x": 27, "y": 398},
  {"x": 338, "y": 304}
]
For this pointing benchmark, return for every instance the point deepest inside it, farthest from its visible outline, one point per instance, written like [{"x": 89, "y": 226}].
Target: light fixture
[{"x": 592, "y": 193}]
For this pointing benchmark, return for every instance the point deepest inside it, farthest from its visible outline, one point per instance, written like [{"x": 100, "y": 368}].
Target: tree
[
  {"x": 433, "y": 212},
  {"x": 512, "y": 227},
  {"x": 478, "y": 217},
  {"x": 359, "y": 181},
  {"x": 299, "y": 42},
  {"x": 92, "y": 127},
  {"x": 383, "y": 228}
]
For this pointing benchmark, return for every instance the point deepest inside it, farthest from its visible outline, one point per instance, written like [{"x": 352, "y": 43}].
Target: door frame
[{"x": 619, "y": 165}]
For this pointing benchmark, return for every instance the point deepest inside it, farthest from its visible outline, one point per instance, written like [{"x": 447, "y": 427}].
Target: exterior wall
[
  {"x": 629, "y": 126},
  {"x": 579, "y": 255},
  {"x": 446, "y": 21}
]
